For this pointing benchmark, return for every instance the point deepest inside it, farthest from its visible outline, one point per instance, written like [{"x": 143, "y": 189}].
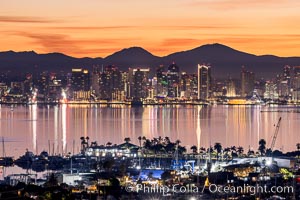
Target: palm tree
[
  {"x": 82, "y": 143},
  {"x": 218, "y": 148},
  {"x": 194, "y": 149},
  {"x": 94, "y": 144},
  {"x": 262, "y": 146},
  {"x": 140, "y": 140},
  {"x": 87, "y": 141},
  {"x": 108, "y": 144},
  {"x": 226, "y": 151},
  {"x": 167, "y": 140},
  {"x": 240, "y": 150},
  {"x": 127, "y": 139},
  {"x": 298, "y": 149}
]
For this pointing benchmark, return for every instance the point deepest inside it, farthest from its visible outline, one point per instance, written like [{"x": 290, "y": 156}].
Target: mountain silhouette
[{"x": 225, "y": 61}]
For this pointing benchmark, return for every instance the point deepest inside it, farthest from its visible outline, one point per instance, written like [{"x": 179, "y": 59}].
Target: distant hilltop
[{"x": 225, "y": 61}]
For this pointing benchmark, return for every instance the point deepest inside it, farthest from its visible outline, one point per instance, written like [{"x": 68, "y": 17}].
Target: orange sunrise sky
[{"x": 97, "y": 28}]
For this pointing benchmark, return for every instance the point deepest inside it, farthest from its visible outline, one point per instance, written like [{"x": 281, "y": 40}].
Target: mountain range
[{"x": 225, "y": 61}]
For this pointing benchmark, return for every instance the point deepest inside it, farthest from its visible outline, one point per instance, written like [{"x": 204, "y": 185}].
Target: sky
[{"x": 98, "y": 28}]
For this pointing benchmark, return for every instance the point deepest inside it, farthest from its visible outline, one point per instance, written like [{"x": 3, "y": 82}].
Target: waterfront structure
[
  {"x": 204, "y": 82},
  {"x": 173, "y": 80},
  {"x": 247, "y": 82},
  {"x": 122, "y": 150}
]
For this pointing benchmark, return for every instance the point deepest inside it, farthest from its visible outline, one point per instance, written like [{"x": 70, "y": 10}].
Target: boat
[{"x": 6, "y": 161}]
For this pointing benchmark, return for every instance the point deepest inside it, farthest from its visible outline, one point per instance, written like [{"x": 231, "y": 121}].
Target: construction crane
[{"x": 275, "y": 134}]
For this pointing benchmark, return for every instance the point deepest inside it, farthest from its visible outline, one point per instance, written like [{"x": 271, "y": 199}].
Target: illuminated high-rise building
[
  {"x": 162, "y": 82},
  {"x": 285, "y": 83},
  {"x": 80, "y": 80},
  {"x": 54, "y": 88},
  {"x": 173, "y": 80},
  {"x": 296, "y": 84},
  {"x": 28, "y": 84},
  {"x": 139, "y": 83},
  {"x": 111, "y": 85},
  {"x": 95, "y": 81},
  {"x": 271, "y": 91},
  {"x": 230, "y": 88},
  {"x": 80, "y": 84},
  {"x": 204, "y": 82},
  {"x": 247, "y": 82}
]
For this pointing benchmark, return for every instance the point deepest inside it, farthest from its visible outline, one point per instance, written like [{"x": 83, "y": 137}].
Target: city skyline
[{"x": 99, "y": 28}]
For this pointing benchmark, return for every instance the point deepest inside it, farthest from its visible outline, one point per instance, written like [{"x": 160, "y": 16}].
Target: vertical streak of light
[
  {"x": 226, "y": 126},
  {"x": 55, "y": 128},
  {"x": 198, "y": 130},
  {"x": 34, "y": 118},
  {"x": 85, "y": 122},
  {"x": 64, "y": 127},
  {"x": 96, "y": 122},
  {"x": 258, "y": 125}
]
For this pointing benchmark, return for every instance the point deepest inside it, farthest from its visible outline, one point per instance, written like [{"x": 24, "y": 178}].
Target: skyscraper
[
  {"x": 80, "y": 84},
  {"x": 139, "y": 83},
  {"x": 204, "y": 81},
  {"x": 270, "y": 91},
  {"x": 80, "y": 80},
  {"x": 111, "y": 85},
  {"x": 296, "y": 84},
  {"x": 230, "y": 88},
  {"x": 173, "y": 80},
  {"x": 162, "y": 82},
  {"x": 247, "y": 82},
  {"x": 285, "y": 83},
  {"x": 95, "y": 78}
]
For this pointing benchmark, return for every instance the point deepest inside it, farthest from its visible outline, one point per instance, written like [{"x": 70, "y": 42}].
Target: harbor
[{"x": 100, "y": 171}]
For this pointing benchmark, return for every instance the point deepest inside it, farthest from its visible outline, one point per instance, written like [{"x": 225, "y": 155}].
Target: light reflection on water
[{"x": 54, "y": 128}]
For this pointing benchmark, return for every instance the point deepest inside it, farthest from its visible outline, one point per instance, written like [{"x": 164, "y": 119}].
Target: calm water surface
[{"x": 38, "y": 128}]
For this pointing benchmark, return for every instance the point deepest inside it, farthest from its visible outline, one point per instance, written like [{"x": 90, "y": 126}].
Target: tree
[
  {"x": 218, "y": 148},
  {"x": 262, "y": 146},
  {"x": 108, "y": 144},
  {"x": 240, "y": 150},
  {"x": 194, "y": 149},
  {"x": 298, "y": 148},
  {"x": 83, "y": 142},
  {"x": 269, "y": 152},
  {"x": 167, "y": 140},
  {"x": 127, "y": 140},
  {"x": 87, "y": 141},
  {"x": 140, "y": 140},
  {"x": 226, "y": 152}
]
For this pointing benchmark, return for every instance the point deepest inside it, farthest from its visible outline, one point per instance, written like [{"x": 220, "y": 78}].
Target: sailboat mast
[{"x": 3, "y": 147}]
